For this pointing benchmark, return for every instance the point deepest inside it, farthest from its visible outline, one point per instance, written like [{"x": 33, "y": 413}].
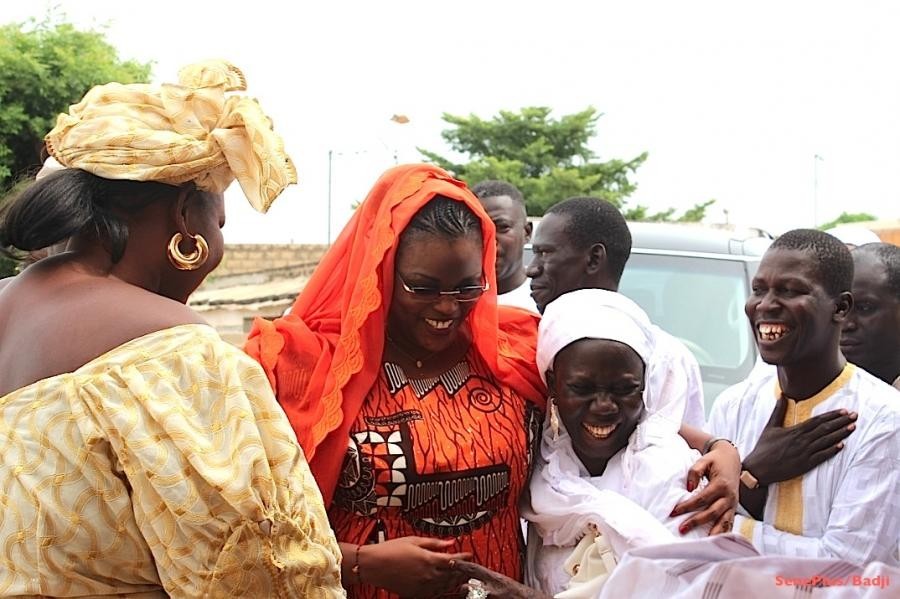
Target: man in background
[
  {"x": 506, "y": 208},
  {"x": 870, "y": 337}
]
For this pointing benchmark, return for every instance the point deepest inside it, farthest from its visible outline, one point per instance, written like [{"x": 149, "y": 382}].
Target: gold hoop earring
[
  {"x": 191, "y": 261},
  {"x": 554, "y": 419}
]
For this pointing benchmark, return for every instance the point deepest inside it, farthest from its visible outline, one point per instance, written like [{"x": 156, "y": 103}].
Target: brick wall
[{"x": 254, "y": 257}]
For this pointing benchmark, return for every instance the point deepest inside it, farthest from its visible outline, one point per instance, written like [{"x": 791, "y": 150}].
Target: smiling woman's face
[
  {"x": 598, "y": 385},
  {"x": 435, "y": 262}
]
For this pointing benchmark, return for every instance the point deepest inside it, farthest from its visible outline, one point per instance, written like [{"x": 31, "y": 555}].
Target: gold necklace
[{"x": 419, "y": 361}]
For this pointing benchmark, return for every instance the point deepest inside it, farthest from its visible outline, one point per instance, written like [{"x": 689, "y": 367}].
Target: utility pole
[
  {"x": 400, "y": 119},
  {"x": 816, "y": 160}
]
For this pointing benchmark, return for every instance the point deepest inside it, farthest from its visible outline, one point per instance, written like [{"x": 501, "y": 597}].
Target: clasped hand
[{"x": 412, "y": 566}]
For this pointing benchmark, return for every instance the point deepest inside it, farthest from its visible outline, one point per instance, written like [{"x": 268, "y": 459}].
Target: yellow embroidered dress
[{"x": 164, "y": 467}]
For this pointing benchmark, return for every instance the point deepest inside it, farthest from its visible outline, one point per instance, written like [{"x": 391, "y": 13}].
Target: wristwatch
[{"x": 749, "y": 480}]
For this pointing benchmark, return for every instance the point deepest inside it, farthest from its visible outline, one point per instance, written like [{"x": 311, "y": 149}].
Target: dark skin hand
[
  {"x": 409, "y": 566},
  {"x": 497, "y": 585},
  {"x": 717, "y": 502},
  {"x": 786, "y": 452}
]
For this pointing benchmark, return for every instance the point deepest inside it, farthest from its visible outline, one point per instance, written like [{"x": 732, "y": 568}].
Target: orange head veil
[{"x": 323, "y": 358}]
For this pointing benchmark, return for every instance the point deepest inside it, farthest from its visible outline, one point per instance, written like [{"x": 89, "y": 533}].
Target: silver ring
[{"x": 476, "y": 590}]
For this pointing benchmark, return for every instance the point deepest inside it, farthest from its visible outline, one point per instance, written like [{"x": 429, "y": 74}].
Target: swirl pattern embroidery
[{"x": 444, "y": 456}]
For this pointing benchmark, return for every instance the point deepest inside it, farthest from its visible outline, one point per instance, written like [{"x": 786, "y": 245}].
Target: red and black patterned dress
[{"x": 442, "y": 457}]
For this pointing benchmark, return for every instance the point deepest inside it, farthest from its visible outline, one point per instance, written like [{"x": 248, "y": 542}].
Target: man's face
[
  {"x": 793, "y": 316},
  {"x": 871, "y": 332},
  {"x": 558, "y": 266},
  {"x": 513, "y": 232}
]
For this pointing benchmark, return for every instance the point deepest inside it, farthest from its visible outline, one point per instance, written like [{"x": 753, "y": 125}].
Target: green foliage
[
  {"x": 642, "y": 214},
  {"x": 694, "y": 214},
  {"x": 7, "y": 266},
  {"x": 548, "y": 159},
  {"x": 45, "y": 67},
  {"x": 10, "y": 261},
  {"x": 848, "y": 217}
]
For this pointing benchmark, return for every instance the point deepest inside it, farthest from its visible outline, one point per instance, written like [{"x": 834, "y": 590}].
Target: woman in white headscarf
[{"x": 610, "y": 472}]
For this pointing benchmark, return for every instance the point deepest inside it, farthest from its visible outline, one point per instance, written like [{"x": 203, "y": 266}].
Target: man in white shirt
[
  {"x": 807, "y": 488},
  {"x": 506, "y": 208},
  {"x": 584, "y": 243}
]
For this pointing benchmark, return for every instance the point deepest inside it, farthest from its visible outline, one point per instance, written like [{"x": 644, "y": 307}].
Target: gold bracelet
[{"x": 355, "y": 568}]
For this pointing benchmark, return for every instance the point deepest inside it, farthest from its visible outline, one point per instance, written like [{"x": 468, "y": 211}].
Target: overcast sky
[{"x": 732, "y": 101}]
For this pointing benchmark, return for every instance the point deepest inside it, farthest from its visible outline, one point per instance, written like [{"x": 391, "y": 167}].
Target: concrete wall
[
  {"x": 256, "y": 266},
  {"x": 233, "y": 323},
  {"x": 253, "y": 257}
]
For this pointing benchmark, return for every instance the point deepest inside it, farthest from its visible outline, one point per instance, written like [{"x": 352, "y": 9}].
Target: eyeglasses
[
  {"x": 623, "y": 391},
  {"x": 469, "y": 293},
  {"x": 617, "y": 391}
]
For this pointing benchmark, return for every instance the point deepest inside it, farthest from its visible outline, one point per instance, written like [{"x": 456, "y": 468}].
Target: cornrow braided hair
[{"x": 443, "y": 217}]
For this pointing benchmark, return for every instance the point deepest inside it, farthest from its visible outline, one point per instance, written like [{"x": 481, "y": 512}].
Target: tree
[
  {"x": 10, "y": 260},
  {"x": 7, "y": 266},
  {"x": 44, "y": 67},
  {"x": 548, "y": 159},
  {"x": 848, "y": 217},
  {"x": 692, "y": 215}
]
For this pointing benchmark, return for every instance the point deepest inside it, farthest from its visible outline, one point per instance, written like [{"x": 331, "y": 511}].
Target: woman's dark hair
[
  {"x": 73, "y": 201},
  {"x": 443, "y": 217}
]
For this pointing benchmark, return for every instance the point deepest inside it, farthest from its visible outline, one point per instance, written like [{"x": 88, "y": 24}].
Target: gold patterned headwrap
[{"x": 177, "y": 133}]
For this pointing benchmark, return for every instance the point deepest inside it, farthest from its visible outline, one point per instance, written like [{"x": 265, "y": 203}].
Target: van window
[{"x": 701, "y": 302}]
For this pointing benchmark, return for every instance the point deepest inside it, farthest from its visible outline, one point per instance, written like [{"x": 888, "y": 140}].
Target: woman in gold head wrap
[{"x": 140, "y": 455}]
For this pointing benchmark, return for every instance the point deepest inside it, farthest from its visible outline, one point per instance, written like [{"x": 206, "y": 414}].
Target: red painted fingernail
[
  {"x": 673, "y": 514},
  {"x": 691, "y": 485},
  {"x": 684, "y": 528}
]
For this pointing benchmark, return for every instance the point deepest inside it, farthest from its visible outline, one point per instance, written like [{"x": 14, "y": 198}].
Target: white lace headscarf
[{"x": 563, "y": 500}]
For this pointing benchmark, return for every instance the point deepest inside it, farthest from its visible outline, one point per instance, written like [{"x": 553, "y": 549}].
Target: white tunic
[
  {"x": 847, "y": 507},
  {"x": 630, "y": 502},
  {"x": 677, "y": 374},
  {"x": 520, "y": 297}
]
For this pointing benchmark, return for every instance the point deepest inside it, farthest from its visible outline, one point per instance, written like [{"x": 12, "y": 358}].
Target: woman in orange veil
[{"x": 414, "y": 397}]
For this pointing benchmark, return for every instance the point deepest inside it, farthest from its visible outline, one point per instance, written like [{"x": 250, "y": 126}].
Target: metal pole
[
  {"x": 330, "y": 153},
  {"x": 816, "y": 160}
]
